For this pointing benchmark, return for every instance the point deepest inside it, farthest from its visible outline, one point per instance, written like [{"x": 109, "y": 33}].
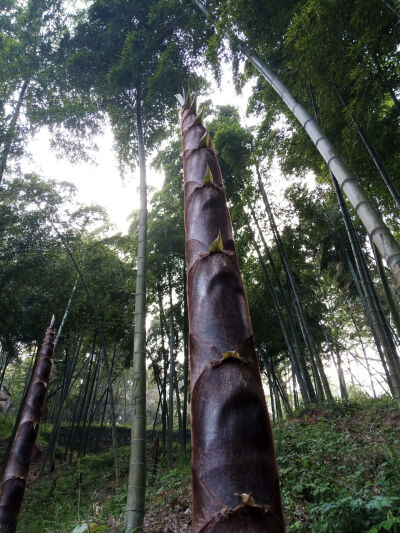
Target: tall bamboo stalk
[
  {"x": 321, "y": 382},
  {"x": 66, "y": 312},
  {"x": 137, "y": 467},
  {"x": 385, "y": 242},
  {"x": 103, "y": 353},
  {"x": 11, "y": 129},
  {"x": 292, "y": 325},
  {"x": 278, "y": 311},
  {"x": 16, "y": 471},
  {"x": 235, "y": 483}
]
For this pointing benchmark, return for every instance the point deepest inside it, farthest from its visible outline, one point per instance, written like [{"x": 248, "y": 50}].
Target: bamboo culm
[
  {"x": 321, "y": 383},
  {"x": 16, "y": 471},
  {"x": 235, "y": 483},
  {"x": 104, "y": 355},
  {"x": 137, "y": 468},
  {"x": 299, "y": 354}
]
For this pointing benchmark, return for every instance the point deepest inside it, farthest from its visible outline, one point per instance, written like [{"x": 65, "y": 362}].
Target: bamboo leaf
[
  {"x": 230, "y": 355},
  {"x": 198, "y": 121},
  {"x": 208, "y": 177},
  {"x": 217, "y": 245},
  {"x": 181, "y": 99},
  {"x": 193, "y": 105},
  {"x": 204, "y": 141},
  {"x": 188, "y": 99},
  {"x": 247, "y": 499}
]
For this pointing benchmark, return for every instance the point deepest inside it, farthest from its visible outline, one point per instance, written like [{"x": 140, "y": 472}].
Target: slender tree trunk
[
  {"x": 295, "y": 397},
  {"x": 82, "y": 406},
  {"x": 165, "y": 376},
  {"x": 388, "y": 293},
  {"x": 28, "y": 380},
  {"x": 66, "y": 312},
  {"x": 137, "y": 468},
  {"x": 365, "y": 357},
  {"x": 178, "y": 410},
  {"x": 172, "y": 377},
  {"x": 292, "y": 353},
  {"x": 16, "y": 471},
  {"x": 171, "y": 387},
  {"x": 321, "y": 383},
  {"x": 300, "y": 356},
  {"x": 104, "y": 357},
  {"x": 372, "y": 306},
  {"x": 339, "y": 369},
  {"x": 380, "y": 233},
  {"x": 49, "y": 453},
  {"x": 235, "y": 483},
  {"x": 77, "y": 409},
  {"x": 11, "y": 129},
  {"x": 89, "y": 405}
]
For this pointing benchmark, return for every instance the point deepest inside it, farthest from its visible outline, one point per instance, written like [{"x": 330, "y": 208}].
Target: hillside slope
[{"x": 339, "y": 466}]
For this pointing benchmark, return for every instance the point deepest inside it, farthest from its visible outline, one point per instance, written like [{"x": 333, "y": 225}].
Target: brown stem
[
  {"x": 16, "y": 471},
  {"x": 235, "y": 482}
]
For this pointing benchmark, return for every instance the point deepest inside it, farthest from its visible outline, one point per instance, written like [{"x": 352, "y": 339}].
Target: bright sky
[{"x": 101, "y": 183}]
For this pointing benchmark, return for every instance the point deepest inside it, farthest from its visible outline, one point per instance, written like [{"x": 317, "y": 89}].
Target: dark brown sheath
[
  {"x": 234, "y": 474},
  {"x": 16, "y": 472}
]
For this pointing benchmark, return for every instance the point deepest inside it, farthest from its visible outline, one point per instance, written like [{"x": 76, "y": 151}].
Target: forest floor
[{"x": 339, "y": 468}]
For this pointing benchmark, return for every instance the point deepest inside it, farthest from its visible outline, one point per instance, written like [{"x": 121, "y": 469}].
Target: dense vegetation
[
  {"x": 339, "y": 469},
  {"x": 324, "y": 307}
]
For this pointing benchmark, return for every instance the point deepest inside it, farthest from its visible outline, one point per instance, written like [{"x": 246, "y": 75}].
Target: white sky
[{"x": 101, "y": 183}]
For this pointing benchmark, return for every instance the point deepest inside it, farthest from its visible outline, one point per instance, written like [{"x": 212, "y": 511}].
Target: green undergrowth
[{"x": 339, "y": 468}]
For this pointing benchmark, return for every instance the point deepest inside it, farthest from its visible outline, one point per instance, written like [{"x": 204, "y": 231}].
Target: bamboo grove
[{"x": 155, "y": 348}]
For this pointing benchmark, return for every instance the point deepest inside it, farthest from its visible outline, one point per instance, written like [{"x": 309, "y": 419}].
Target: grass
[{"x": 339, "y": 467}]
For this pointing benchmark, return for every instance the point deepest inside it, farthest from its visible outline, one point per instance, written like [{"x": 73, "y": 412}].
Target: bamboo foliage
[
  {"x": 234, "y": 475},
  {"x": 16, "y": 471},
  {"x": 387, "y": 245}
]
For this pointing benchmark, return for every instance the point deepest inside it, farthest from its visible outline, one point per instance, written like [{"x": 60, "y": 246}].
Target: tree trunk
[
  {"x": 371, "y": 306},
  {"x": 165, "y": 376},
  {"x": 371, "y": 325},
  {"x": 365, "y": 356},
  {"x": 11, "y": 129},
  {"x": 104, "y": 357},
  {"x": 137, "y": 467},
  {"x": 66, "y": 312},
  {"x": 172, "y": 378},
  {"x": 388, "y": 293},
  {"x": 28, "y": 380},
  {"x": 171, "y": 388},
  {"x": 300, "y": 355},
  {"x": 235, "y": 483},
  {"x": 321, "y": 382},
  {"x": 292, "y": 353},
  {"x": 16, "y": 471},
  {"x": 49, "y": 453}
]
